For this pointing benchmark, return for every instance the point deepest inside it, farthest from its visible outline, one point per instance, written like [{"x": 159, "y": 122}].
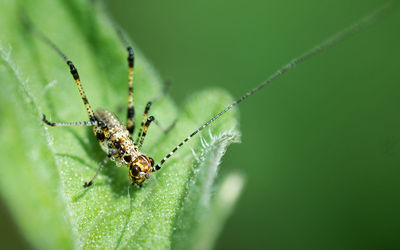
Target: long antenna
[{"x": 335, "y": 39}]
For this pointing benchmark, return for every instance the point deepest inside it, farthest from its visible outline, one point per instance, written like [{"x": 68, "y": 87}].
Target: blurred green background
[{"x": 321, "y": 145}]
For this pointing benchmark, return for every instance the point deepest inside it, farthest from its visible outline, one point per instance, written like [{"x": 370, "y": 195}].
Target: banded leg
[
  {"x": 144, "y": 119},
  {"x": 68, "y": 124},
  {"x": 146, "y": 112},
  {"x": 72, "y": 69},
  {"x": 104, "y": 162},
  {"x": 145, "y": 122},
  {"x": 75, "y": 75},
  {"x": 145, "y": 128},
  {"x": 130, "y": 119}
]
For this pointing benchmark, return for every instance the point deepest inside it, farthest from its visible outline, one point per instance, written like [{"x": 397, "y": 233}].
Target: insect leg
[
  {"x": 146, "y": 112},
  {"x": 104, "y": 162},
  {"x": 75, "y": 75},
  {"x": 145, "y": 128},
  {"x": 130, "y": 120},
  {"x": 72, "y": 68},
  {"x": 146, "y": 122},
  {"x": 68, "y": 124}
]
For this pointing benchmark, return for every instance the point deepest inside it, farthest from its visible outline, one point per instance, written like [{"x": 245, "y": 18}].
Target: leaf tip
[{"x": 231, "y": 189}]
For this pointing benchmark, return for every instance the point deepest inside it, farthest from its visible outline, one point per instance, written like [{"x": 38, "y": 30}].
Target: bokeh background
[{"x": 320, "y": 145}]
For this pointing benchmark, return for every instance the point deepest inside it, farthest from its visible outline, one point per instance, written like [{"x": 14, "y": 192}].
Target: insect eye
[
  {"x": 151, "y": 161},
  {"x": 135, "y": 170}
]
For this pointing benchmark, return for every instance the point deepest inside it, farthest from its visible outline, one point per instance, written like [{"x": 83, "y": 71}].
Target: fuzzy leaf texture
[{"x": 43, "y": 168}]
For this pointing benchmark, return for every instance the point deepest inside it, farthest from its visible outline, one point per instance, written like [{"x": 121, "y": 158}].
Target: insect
[{"x": 116, "y": 139}]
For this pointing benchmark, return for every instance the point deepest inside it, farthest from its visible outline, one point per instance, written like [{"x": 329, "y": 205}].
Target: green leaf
[{"x": 43, "y": 169}]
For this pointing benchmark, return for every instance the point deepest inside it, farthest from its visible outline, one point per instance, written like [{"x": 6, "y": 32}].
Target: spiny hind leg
[
  {"x": 72, "y": 69},
  {"x": 130, "y": 119},
  {"x": 68, "y": 124}
]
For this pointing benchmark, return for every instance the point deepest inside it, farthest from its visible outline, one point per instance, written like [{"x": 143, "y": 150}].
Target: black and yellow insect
[{"x": 116, "y": 139}]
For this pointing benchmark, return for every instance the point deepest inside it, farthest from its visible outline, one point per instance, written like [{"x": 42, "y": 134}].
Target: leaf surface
[{"x": 43, "y": 169}]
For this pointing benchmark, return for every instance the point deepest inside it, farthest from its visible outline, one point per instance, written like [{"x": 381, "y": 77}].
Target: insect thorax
[{"x": 114, "y": 138}]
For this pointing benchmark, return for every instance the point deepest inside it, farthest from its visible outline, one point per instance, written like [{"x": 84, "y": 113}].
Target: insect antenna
[{"x": 333, "y": 40}]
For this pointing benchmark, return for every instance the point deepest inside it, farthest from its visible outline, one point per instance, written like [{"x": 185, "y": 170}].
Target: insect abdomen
[{"x": 114, "y": 138}]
